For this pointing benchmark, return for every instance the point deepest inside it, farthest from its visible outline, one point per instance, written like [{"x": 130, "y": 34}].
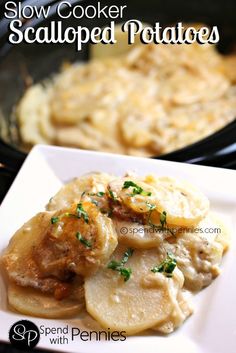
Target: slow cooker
[{"x": 19, "y": 62}]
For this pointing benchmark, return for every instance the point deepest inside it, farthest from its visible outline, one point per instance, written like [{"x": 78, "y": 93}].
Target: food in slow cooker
[{"x": 151, "y": 100}]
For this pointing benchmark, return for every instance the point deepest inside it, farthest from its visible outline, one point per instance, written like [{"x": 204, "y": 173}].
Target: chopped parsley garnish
[
  {"x": 54, "y": 220},
  {"x": 126, "y": 273},
  {"x": 83, "y": 241},
  {"x": 151, "y": 208},
  {"x": 112, "y": 195},
  {"x": 119, "y": 265},
  {"x": 94, "y": 202},
  {"x": 98, "y": 194},
  {"x": 114, "y": 265},
  {"x": 68, "y": 214},
  {"x": 137, "y": 190},
  {"x": 129, "y": 252},
  {"x": 82, "y": 213},
  {"x": 163, "y": 219},
  {"x": 167, "y": 266}
]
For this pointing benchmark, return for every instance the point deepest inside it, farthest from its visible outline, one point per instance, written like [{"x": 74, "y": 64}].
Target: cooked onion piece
[
  {"x": 140, "y": 303},
  {"x": 183, "y": 204},
  {"x": 29, "y": 301}
]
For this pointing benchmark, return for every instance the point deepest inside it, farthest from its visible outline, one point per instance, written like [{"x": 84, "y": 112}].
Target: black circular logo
[{"x": 24, "y": 335}]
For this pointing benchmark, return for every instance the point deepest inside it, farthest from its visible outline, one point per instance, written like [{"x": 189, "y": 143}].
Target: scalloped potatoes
[
  {"x": 130, "y": 251},
  {"x": 141, "y": 100}
]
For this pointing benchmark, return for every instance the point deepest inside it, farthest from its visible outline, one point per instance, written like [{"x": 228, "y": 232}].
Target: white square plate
[{"x": 211, "y": 329}]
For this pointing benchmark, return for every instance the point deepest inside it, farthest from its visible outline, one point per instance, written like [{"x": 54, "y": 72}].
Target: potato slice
[
  {"x": 17, "y": 259},
  {"x": 185, "y": 206},
  {"x": 71, "y": 192},
  {"x": 198, "y": 252},
  {"x": 182, "y": 310},
  {"x": 33, "y": 114},
  {"x": 139, "y": 236},
  {"x": 79, "y": 244},
  {"x": 138, "y": 197},
  {"x": 29, "y": 301},
  {"x": 133, "y": 306}
]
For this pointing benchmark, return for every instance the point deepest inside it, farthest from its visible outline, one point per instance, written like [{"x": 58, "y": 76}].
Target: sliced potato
[
  {"x": 34, "y": 106},
  {"x": 138, "y": 236},
  {"x": 133, "y": 306},
  {"x": 77, "y": 244},
  {"x": 43, "y": 255},
  {"x": 132, "y": 197},
  {"x": 71, "y": 192},
  {"x": 181, "y": 311},
  {"x": 18, "y": 261},
  {"x": 32, "y": 302},
  {"x": 198, "y": 253},
  {"x": 185, "y": 206}
]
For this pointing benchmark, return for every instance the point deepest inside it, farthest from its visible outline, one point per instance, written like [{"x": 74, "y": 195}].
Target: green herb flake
[
  {"x": 137, "y": 190},
  {"x": 126, "y": 273},
  {"x": 158, "y": 228},
  {"x": 114, "y": 265},
  {"x": 129, "y": 252},
  {"x": 83, "y": 241},
  {"x": 163, "y": 219},
  {"x": 83, "y": 194},
  {"x": 146, "y": 193},
  {"x": 82, "y": 213},
  {"x": 167, "y": 266},
  {"x": 54, "y": 220},
  {"x": 129, "y": 183},
  {"x": 94, "y": 202},
  {"x": 100, "y": 194},
  {"x": 68, "y": 214},
  {"x": 151, "y": 208},
  {"x": 119, "y": 265},
  {"x": 112, "y": 195}
]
